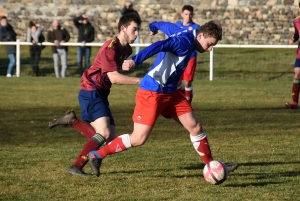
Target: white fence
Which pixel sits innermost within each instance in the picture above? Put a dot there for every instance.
(211, 58)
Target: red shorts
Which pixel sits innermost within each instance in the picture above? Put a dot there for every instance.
(189, 72)
(149, 105)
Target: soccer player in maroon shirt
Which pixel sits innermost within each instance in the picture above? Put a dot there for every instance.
(94, 90)
(296, 83)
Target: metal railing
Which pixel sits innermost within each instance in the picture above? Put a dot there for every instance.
(211, 57)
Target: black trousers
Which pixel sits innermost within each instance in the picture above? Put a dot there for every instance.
(35, 55)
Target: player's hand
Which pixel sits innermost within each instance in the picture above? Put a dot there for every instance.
(291, 41)
(128, 64)
(152, 33)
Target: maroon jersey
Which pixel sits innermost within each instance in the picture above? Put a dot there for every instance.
(109, 58)
(297, 29)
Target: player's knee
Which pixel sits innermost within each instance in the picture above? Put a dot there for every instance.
(137, 140)
(196, 129)
(297, 75)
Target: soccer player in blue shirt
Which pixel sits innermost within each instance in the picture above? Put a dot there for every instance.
(187, 13)
(158, 94)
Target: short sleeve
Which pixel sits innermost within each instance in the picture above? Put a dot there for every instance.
(108, 60)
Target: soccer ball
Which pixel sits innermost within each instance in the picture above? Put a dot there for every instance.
(215, 172)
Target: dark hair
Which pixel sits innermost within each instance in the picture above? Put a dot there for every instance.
(211, 29)
(187, 7)
(126, 19)
(3, 17)
(31, 24)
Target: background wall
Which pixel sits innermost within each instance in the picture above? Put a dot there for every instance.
(243, 21)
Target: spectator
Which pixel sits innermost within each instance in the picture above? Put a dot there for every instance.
(7, 33)
(35, 36)
(128, 8)
(57, 34)
(86, 34)
(187, 23)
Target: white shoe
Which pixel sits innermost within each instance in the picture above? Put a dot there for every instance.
(8, 75)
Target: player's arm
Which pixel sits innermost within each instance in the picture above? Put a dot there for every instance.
(109, 65)
(117, 78)
(296, 33)
(167, 28)
(171, 44)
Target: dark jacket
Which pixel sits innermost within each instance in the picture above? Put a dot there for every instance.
(7, 33)
(86, 32)
(59, 34)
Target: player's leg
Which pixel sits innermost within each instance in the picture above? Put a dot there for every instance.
(181, 112)
(101, 125)
(94, 106)
(197, 136)
(199, 139)
(123, 142)
(296, 87)
(188, 77)
(145, 114)
(70, 119)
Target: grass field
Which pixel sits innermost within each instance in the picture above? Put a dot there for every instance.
(244, 119)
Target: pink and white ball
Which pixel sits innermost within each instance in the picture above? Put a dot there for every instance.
(215, 172)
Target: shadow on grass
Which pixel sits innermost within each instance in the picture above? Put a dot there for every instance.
(256, 184)
(269, 163)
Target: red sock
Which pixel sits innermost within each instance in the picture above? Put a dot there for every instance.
(188, 93)
(92, 144)
(201, 145)
(295, 91)
(84, 128)
(119, 144)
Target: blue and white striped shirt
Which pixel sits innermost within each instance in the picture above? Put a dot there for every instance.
(171, 61)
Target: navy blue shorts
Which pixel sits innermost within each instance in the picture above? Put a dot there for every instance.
(94, 104)
(297, 63)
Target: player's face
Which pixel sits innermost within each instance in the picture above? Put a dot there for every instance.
(204, 44)
(131, 32)
(187, 16)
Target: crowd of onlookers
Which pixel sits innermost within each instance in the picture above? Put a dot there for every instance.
(56, 34)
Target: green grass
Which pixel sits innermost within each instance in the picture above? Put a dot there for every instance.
(244, 119)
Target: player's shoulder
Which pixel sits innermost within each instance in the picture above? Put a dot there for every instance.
(195, 25)
(112, 43)
(179, 23)
(297, 19)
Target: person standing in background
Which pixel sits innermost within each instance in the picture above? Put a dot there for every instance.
(7, 33)
(35, 36)
(58, 34)
(187, 13)
(86, 34)
(128, 8)
(296, 82)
